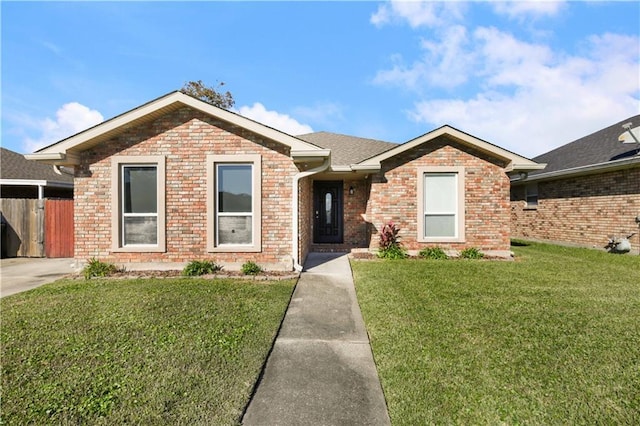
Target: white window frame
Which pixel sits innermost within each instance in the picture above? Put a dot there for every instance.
(213, 161)
(118, 164)
(459, 236)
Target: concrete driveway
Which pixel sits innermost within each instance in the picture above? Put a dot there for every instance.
(21, 273)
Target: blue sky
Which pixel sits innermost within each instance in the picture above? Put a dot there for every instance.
(528, 76)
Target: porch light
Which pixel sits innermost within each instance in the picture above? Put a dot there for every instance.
(351, 190)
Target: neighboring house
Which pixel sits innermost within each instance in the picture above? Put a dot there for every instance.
(36, 203)
(22, 178)
(178, 179)
(589, 191)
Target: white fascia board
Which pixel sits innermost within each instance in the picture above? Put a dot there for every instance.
(341, 169)
(33, 182)
(584, 170)
(310, 155)
(513, 167)
(56, 158)
(355, 168)
(122, 121)
(368, 168)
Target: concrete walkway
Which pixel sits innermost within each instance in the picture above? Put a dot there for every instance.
(23, 273)
(321, 370)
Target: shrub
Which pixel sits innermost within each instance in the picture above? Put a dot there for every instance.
(97, 268)
(390, 245)
(200, 267)
(251, 268)
(471, 253)
(433, 253)
(392, 252)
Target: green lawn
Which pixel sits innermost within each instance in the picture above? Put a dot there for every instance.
(552, 338)
(148, 351)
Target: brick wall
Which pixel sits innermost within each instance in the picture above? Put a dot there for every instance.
(583, 210)
(184, 137)
(305, 206)
(393, 196)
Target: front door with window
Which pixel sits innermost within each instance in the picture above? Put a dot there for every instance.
(327, 212)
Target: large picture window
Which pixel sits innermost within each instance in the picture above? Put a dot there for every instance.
(139, 205)
(440, 204)
(234, 203)
(234, 207)
(138, 216)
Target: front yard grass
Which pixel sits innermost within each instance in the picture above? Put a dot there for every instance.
(552, 338)
(147, 351)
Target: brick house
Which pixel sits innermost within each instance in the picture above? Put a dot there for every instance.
(590, 190)
(178, 179)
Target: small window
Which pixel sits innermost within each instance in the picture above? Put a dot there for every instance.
(138, 204)
(233, 203)
(440, 204)
(531, 195)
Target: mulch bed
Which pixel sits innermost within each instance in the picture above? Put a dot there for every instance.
(262, 276)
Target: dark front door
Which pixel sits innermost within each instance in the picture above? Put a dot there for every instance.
(327, 212)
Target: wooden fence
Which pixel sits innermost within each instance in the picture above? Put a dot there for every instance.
(58, 228)
(37, 228)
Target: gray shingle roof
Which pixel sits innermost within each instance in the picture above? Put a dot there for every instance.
(346, 150)
(597, 148)
(15, 166)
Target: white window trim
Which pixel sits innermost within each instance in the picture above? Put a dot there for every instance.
(256, 161)
(460, 213)
(117, 163)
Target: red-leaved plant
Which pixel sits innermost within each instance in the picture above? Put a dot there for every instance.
(390, 246)
(389, 235)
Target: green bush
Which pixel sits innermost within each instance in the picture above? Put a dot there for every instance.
(200, 267)
(97, 268)
(392, 252)
(433, 253)
(471, 253)
(251, 268)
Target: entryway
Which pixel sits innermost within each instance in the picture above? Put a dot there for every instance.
(328, 212)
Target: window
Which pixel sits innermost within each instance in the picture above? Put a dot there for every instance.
(441, 204)
(234, 200)
(138, 204)
(531, 195)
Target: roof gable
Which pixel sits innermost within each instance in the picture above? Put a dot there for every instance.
(67, 150)
(514, 161)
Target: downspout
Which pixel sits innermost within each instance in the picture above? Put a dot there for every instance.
(295, 206)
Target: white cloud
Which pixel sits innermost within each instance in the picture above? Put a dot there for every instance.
(533, 99)
(70, 119)
(282, 122)
(442, 63)
(522, 95)
(418, 13)
(521, 9)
